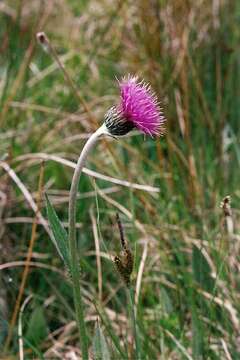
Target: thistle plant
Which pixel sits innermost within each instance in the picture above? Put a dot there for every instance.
(137, 108)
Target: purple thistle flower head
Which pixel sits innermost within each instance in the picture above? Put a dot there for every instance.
(138, 108)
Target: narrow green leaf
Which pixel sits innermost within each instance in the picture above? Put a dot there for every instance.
(108, 326)
(100, 348)
(202, 270)
(33, 348)
(59, 233)
(166, 301)
(197, 336)
(37, 327)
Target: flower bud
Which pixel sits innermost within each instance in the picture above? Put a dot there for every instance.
(115, 122)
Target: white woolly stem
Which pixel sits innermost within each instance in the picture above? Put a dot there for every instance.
(74, 258)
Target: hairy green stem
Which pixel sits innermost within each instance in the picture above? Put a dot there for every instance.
(74, 258)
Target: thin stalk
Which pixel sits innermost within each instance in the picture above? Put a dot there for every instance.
(131, 305)
(45, 42)
(74, 258)
(27, 264)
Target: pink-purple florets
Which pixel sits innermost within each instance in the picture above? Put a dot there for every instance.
(140, 106)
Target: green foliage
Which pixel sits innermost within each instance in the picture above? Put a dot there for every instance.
(202, 270)
(166, 301)
(59, 233)
(197, 335)
(100, 348)
(37, 327)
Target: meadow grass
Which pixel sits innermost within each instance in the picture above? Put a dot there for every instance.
(186, 256)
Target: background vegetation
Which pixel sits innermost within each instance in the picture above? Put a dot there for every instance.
(186, 250)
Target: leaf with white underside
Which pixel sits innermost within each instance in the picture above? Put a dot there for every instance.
(100, 348)
(59, 233)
